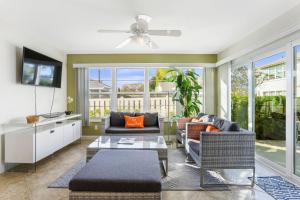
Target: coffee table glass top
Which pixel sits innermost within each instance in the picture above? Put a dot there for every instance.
(139, 142)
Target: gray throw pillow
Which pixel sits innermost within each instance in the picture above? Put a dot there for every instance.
(117, 118)
(150, 119)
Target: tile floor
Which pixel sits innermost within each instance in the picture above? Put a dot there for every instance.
(33, 186)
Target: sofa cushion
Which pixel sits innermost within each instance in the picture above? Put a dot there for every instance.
(194, 130)
(181, 122)
(119, 171)
(200, 115)
(150, 119)
(225, 125)
(207, 118)
(123, 130)
(212, 128)
(117, 118)
(194, 146)
(196, 120)
(180, 135)
(134, 122)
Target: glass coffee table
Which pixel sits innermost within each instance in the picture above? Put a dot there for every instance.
(156, 143)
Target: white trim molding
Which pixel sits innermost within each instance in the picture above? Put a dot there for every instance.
(143, 65)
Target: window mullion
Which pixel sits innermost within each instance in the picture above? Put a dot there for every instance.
(146, 91)
(113, 99)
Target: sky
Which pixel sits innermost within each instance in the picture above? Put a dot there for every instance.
(270, 59)
(125, 74)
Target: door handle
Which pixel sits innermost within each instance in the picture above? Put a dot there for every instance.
(52, 131)
(73, 124)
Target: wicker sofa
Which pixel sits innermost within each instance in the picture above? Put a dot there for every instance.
(193, 128)
(231, 148)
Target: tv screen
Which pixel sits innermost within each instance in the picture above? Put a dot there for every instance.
(40, 70)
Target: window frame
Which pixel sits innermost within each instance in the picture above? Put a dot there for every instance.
(146, 93)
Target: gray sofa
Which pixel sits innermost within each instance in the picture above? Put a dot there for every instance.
(115, 124)
(232, 148)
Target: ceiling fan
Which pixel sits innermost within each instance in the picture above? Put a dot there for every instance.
(141, 33)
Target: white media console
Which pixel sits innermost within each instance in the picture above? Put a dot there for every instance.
(28, 144)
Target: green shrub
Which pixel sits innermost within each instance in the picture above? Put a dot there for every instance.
(269, 115)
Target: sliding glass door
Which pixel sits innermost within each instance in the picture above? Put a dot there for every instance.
(297, 109)
(270, 108)
(239, 95)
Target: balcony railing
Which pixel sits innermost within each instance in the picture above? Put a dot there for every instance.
(163, 105)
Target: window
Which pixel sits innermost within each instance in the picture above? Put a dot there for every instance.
(270, 108)
(100, 88)
(199, 72)
(161, 92)
(239, 95)
(133, 90)
(130, 89)
(280, 72)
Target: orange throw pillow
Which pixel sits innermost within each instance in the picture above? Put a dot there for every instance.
(134, 122)
(212, 128)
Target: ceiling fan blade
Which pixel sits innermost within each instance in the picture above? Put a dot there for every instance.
(173, 33)
(124, 43)
(112, 31)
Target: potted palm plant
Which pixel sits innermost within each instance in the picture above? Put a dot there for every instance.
(187, 90)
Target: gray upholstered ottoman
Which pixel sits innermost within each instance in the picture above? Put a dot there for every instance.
(118, 174)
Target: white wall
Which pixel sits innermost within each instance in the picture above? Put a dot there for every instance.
(210, 91)
(16, 100)
(280, 27)
(223, 88)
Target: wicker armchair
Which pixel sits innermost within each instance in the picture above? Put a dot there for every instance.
(223, 150)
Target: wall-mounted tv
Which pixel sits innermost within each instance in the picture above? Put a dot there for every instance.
(40, 70)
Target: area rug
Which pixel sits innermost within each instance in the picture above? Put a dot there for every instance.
(278, 188)
(181, 176)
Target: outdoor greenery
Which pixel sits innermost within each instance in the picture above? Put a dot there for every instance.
(187, 90)
(239, 96)
(269, 110)
(160, 76)
(269, 115)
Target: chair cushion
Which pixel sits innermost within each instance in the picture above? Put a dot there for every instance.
(123, 130)
(134, 122)
(225, 125)
(150, 119)
(194, 146)
(117, 118)
(119, 171)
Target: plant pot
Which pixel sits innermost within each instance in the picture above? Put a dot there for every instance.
(68, 112)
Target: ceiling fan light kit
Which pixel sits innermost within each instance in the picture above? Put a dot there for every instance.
(141, 33)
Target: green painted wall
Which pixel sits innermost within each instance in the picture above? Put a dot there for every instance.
(124, 58)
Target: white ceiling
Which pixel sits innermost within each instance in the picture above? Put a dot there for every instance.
(208, 26)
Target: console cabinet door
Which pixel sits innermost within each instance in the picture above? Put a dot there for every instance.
(69, 133)
(43, 144)
(57, 138)
(77, 130)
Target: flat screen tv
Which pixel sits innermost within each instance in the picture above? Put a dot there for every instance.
(40, 70)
